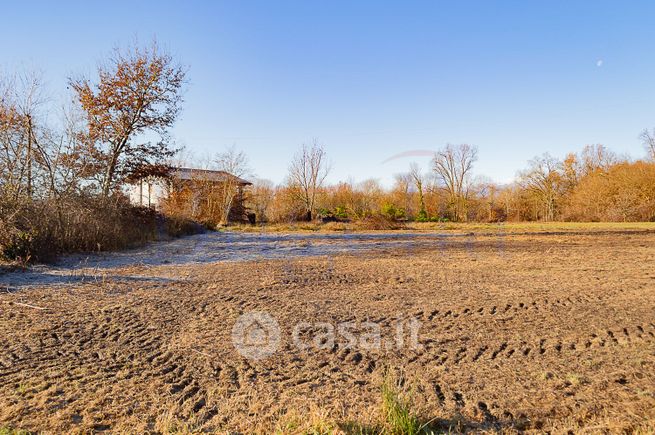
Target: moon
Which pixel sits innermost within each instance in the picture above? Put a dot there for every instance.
(599, 63)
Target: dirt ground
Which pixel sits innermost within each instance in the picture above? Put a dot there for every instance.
(540, 332)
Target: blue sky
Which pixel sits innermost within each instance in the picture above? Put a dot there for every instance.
(371, 79)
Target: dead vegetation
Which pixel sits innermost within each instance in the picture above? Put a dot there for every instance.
(39, 231)
(60, 184)
(534, 332)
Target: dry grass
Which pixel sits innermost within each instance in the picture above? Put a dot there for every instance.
(504, 227)
(554, 332)
(40, 230)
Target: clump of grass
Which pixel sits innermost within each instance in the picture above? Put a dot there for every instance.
(178, 226)
(399, 418)
(317, 423)
(11, 431)
(378, 222)
(170, 424)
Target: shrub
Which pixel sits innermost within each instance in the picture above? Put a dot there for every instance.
(392, 212)
(40, 230)
(378, 222)
(177, 226)
(19, 245)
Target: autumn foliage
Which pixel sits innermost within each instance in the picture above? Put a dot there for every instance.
(60, 185)
(593, 185)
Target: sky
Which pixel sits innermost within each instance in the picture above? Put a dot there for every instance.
(371, 79)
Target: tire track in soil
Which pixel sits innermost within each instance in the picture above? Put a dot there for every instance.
(507, 349)
(93, 350)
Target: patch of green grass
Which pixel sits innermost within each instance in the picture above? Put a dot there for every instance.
(400, 417)
(9, 431)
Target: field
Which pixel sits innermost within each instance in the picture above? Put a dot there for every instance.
(485, 330)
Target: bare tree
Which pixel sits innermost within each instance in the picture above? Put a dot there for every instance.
(401, 191)
(453, 166)
(648, 139)
(235, 165)
(139, 91)
(307, 173)
(543, 180)
(418, 179)
(21, 154)
(263, 195)
(596, 158)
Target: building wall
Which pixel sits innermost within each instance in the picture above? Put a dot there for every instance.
(185, 197)
(148, 193)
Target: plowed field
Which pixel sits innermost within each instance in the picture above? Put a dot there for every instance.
(520, 332)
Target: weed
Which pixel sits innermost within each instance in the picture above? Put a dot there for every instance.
(11, 431)
(316, 423)
(396, 409)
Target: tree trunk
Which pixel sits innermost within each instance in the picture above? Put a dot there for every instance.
(29, 156)
(109, 177)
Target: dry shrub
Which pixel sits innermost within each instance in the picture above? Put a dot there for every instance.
(378, 222)
(40, 230)
(178, 226)
(285, 207)
(625, 192)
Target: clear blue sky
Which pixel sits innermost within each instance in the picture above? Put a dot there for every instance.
(371, 79)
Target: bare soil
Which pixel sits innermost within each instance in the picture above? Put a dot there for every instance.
(520, 332)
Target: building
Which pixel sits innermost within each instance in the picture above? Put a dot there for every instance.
(200, 193)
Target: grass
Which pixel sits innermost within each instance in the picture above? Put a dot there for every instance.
(317, 423)
(169, 424)
(396, 409)
(399, 413)
(9, 431)
(455, 227)
(397, 416)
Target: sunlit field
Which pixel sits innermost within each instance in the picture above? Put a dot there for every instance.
(540, 327)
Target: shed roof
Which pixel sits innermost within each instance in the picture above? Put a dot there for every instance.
(207, 174)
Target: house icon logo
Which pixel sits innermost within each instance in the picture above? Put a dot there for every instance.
(256, 335)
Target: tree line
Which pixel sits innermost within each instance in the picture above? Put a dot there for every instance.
(594, 184)
(62, 171)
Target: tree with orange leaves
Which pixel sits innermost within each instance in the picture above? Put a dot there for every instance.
(139, 92)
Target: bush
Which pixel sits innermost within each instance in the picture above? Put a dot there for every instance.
(40, 230)
(378, 222)
(19, 245)
(392, 212)
(177, 226)
(432, 219)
